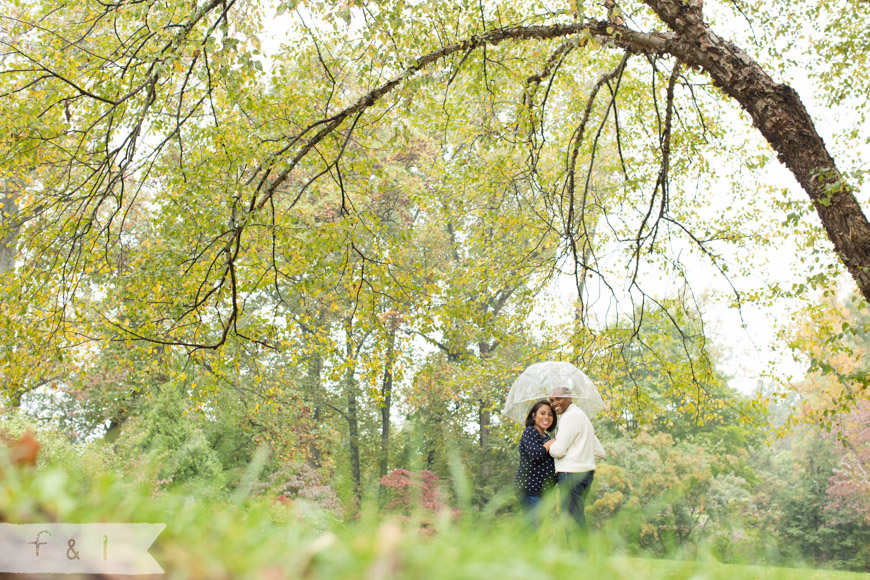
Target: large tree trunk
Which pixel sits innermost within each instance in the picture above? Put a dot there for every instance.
(484, 420)
(350, 388)
(8, 225)
(386, 403)
(312, 396)
(353, 437)
(484, 416)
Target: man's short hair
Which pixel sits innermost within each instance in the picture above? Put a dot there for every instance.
(561, 392)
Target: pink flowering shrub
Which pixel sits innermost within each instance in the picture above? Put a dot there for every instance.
(298, 481)
(848, 493)
(410, 492)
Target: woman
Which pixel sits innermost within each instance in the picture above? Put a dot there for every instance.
(537, 472)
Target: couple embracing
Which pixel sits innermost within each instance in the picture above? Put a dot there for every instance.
(567, 460)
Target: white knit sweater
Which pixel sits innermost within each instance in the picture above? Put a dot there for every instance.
(576, 447)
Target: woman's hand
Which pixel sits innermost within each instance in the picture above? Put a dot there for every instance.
(547, 444)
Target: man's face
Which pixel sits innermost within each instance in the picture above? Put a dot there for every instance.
(560, 404)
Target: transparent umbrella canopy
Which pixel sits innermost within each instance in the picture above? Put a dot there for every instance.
(545, 379)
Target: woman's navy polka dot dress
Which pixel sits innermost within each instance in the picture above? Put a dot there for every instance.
(537, 472)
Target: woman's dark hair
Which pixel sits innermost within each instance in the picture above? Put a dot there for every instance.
(530, 418)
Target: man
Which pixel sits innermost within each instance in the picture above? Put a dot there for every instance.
(574, 450)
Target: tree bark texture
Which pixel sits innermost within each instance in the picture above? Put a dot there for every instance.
(8, 227)
(484, 415)
(386, 405)
(353, 437)
(352, 415)
(312, 390)
(387, 394)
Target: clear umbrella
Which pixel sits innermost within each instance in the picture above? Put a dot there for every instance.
(545, 379)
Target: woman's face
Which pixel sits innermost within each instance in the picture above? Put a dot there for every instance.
(544, 417)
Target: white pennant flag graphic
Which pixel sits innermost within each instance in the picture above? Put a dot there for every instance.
(78, 548)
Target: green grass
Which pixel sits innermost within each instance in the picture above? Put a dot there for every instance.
(213, 535)
(626, 567)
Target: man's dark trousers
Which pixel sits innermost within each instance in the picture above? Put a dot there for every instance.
(573, 488)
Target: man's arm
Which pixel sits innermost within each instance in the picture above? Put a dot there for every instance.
(598, 450)
(568, 430)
